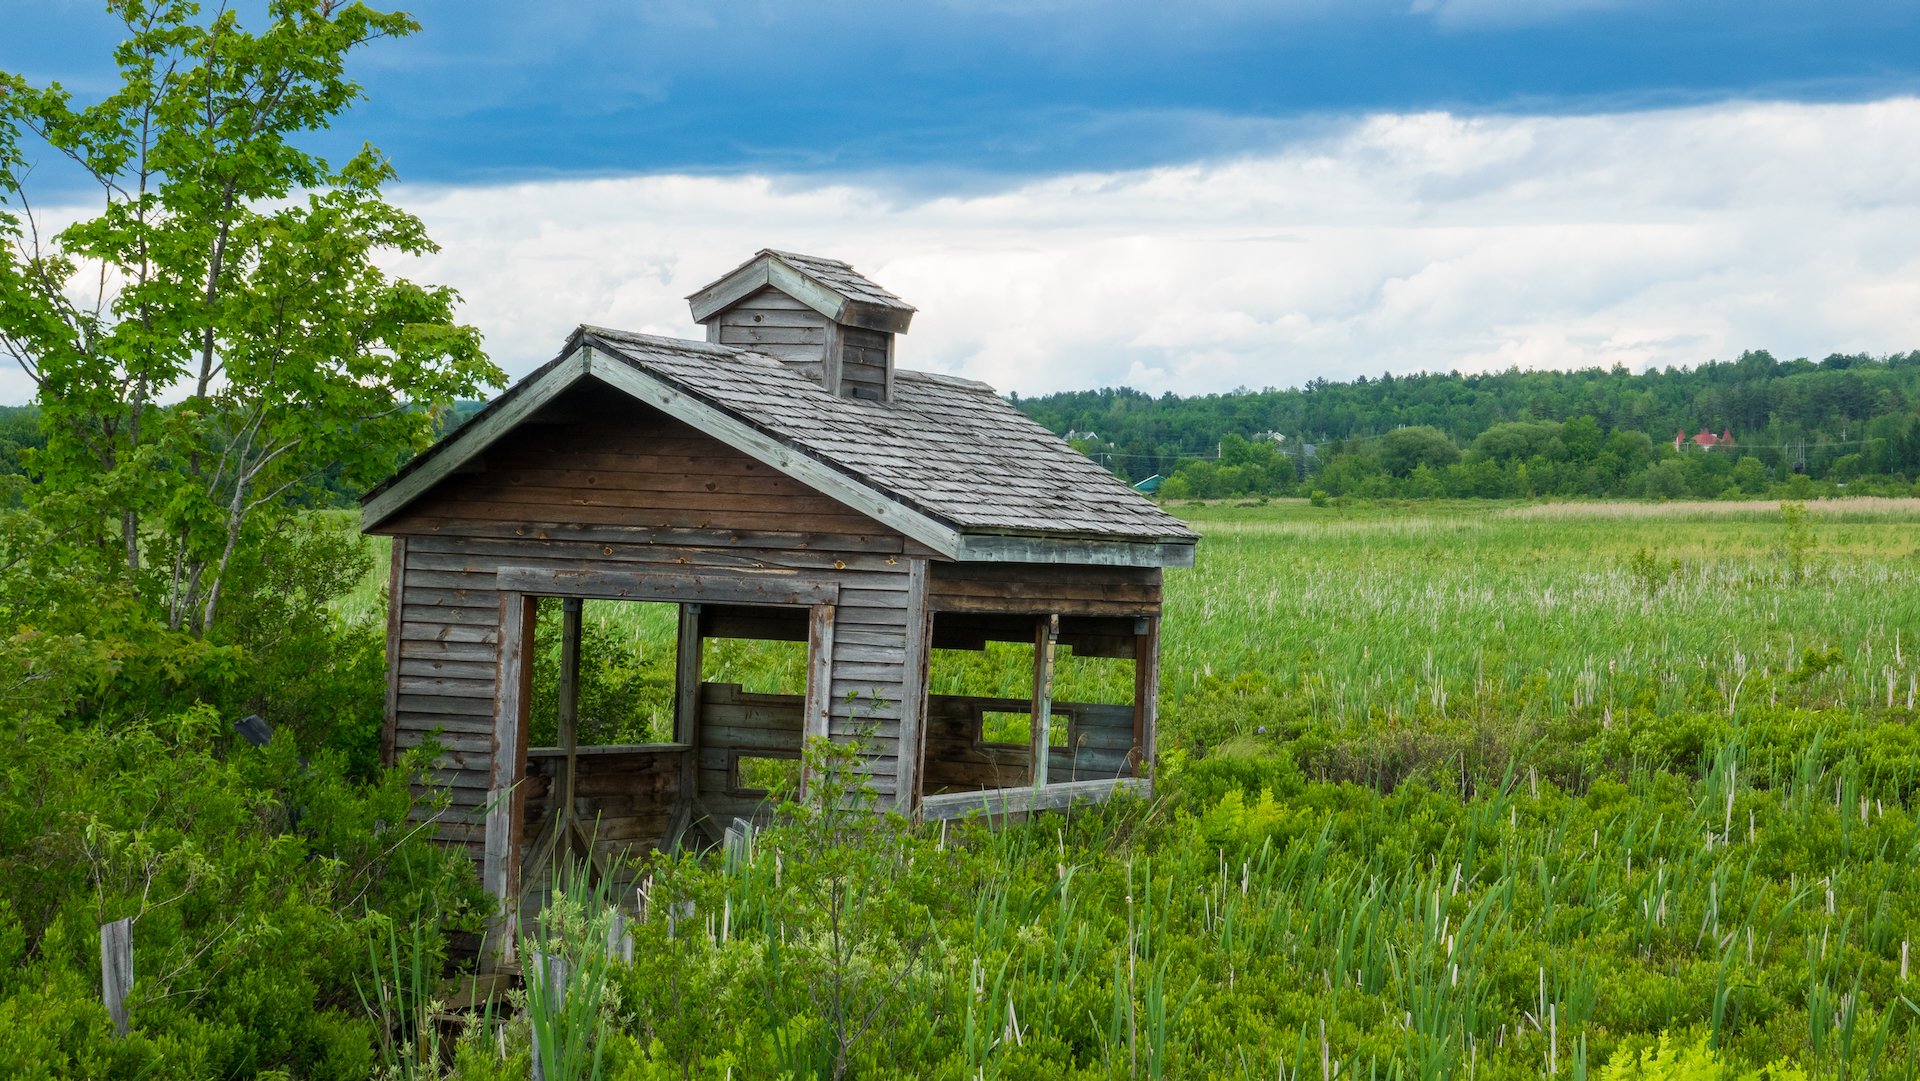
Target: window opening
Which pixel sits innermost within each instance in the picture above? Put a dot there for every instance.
(626, 673)
(1014, 731)
(766, 773)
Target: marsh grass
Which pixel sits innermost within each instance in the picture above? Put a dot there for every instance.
(1466, 792)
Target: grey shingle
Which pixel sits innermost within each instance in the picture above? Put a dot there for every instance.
(948, 447)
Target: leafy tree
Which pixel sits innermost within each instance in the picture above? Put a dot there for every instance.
(1404, 449)
(228, 268)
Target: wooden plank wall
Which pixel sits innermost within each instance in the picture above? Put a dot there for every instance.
(735, 722)
(1099, 739)
(864, 361)
(1046, 588)
(599, 482)
(622, 800)
(774, 323)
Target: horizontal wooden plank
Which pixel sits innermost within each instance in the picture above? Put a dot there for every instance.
(413, 687)
(763, 334)
(451, 552)
(760, 315)
(725, 737)
(1052, 797)
(447, 508)
(770, 540)
(1061, 606)
(892, 655)
(477, 593)
(469, 617)
(429, 649)
(564, 482)
(445, 705)
(408, 720)
(481, 670)
(728, 586)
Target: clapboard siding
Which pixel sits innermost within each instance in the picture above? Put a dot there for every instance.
(735, 722)
(1037, 588)
(773, 323)
(865, 359)
(622, 800)
(607, 484)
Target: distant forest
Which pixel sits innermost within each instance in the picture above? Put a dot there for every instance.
(1798, 427)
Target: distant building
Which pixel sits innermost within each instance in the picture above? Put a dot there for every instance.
(1151, 484)
(1704, 439)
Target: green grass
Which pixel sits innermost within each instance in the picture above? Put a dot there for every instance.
(1478, 791)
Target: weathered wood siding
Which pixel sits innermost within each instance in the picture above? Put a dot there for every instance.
(774, 323)
(1045, 587)
(866, 359)
(1099, 739)
(734, 723)
(603, 483)
(622, 800)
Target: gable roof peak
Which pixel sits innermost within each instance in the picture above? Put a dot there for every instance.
(831, 287)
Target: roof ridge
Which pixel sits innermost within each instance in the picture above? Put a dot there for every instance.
(829, 260)
(943, 379)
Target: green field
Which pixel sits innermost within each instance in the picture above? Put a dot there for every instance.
(1470, 790)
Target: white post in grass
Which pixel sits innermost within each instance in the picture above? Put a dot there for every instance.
(116, 970)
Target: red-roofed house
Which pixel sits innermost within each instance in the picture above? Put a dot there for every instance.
(1705, 439)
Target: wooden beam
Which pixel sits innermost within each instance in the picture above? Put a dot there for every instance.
(733, 585)
(730, 290)
(689, 649)
(475, 436)
(1045, 636)
(992, 548)
(568, 708)
(396, 594)
(795, 463)
(1013, 801)
(913, 710)
(799, 285)
(1146, 697)
(831, 359)
(816, 716)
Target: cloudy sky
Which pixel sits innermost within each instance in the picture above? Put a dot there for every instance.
(1185, 196)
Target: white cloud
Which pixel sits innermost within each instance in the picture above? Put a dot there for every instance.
(1402, 242)
(1399, 242)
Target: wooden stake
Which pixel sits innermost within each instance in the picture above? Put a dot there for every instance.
(116, 970)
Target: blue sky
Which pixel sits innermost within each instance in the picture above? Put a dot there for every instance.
(1184, 196)
(944, 92)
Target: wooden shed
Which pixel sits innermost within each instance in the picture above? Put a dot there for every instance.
(782, 480)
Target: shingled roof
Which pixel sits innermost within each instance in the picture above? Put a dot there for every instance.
(829, 286)
(947, 460)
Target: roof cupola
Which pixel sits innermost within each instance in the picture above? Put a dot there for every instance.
(819, 315)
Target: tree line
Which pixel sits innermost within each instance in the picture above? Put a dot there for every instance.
(1799, 425)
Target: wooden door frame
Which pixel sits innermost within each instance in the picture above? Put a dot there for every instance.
(520, 588)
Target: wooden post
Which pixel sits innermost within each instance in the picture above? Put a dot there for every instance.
(1046, 635)
(688, 651)
(1146, 695)
(620, 938)
(500, 864)
(396, 604)
(913, 707)
(116, 970)
(568, 712)
(816, 721)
